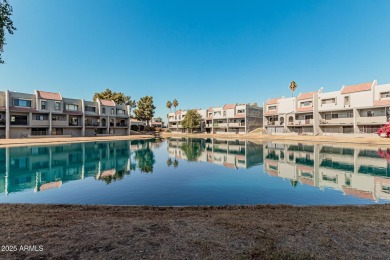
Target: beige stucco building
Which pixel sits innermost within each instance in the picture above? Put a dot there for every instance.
(47, 113)
(354, 109)
(231, 118)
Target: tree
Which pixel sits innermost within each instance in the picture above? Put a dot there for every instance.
(193, 149)
(169, 162)
(169, 105)
(145, 109)
(118, 97)
(175, 103)
(293, 87)
(6, 24)
(145, 157)
(192, 120)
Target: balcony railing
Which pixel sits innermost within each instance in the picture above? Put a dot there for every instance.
(372, 120)
(19, 122)
(91, 124)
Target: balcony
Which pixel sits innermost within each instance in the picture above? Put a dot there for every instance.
(372, 120)
(73, 124)
(220, 124)
(91, 124)
(302, 122)
(19, 121)
(241, 124)
(337, 121)
(121, 124)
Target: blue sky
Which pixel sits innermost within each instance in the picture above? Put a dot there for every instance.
(204, 53)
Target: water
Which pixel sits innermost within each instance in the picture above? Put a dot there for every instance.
(179, 172)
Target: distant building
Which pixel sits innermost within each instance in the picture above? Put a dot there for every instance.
(360, 108)
(233, 118)
(47, 113)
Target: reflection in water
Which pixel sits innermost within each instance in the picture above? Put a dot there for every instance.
(361, 173)
(358, 172)
(229, 153)
(43, 168)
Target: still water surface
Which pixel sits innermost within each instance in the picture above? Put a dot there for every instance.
(183, 171)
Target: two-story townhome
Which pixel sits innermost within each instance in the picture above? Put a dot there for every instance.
(48, 113)
(355, 109)
(175, 118)
(293, 114)
(231, 118)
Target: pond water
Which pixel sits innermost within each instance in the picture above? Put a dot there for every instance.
(179, 172)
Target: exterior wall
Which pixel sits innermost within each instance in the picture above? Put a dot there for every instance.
(20, 132)
(74, 132)
(2, 99)
(286, 105)
(16, 95)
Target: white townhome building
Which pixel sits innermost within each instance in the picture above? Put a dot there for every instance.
(354, 109)
(231, 118)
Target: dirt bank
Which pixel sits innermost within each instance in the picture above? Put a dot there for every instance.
(368, 140)
(261, 232)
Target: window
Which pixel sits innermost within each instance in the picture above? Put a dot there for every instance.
(346, 101)
(210, 114)
(41, 117)
(271, 108)
(370, 113)
(103, 110)
(57, 106)
(120, 112)
(22, 103)
(243, 111)
(90, 109)
(224, 113)
(112, 111)
(306, 103)
(73, 121)
(335, 116)
(43, 104)
(350, 114)
(71, 107)
(328, 101)
(385, 94)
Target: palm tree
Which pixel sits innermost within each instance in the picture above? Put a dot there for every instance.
(175, 163)
(169, 105)
(175, 103)
(169, 162)
(293, 87)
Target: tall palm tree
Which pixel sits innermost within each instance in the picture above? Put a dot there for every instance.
(293, 87)
(132, 104)
(175, 103)
(169, 106)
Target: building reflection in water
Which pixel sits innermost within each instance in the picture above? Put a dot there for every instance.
(43, 168)
(228, 153)
(362, 173)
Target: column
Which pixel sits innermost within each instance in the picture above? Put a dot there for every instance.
(108, 125)
(355, 116)
(50, 123)
(83, 118)
(316, 116)
(7, 115)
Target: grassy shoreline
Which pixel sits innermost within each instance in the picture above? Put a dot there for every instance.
(239, 232)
